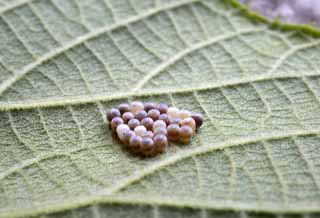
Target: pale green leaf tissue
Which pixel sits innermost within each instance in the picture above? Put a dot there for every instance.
(63, 63)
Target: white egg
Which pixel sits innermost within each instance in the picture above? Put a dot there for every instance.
(182, 114)
(159, 123)
(136, 106)
(140, 131)
(121, 129)
(173, 112)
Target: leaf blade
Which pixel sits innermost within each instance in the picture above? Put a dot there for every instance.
(256, 152)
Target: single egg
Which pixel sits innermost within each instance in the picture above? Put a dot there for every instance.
(115, 122)
(173, 112)
(150, 105)
(163, 108)
(161, 130)
(148, 134)
(113, 113)
(154, 114)
(160, 142)
(133, 123)
(182, 114)
(124, 107)
(175, 120)
(159, 123)
(135, 143)
(127, 135)
(185, 134)
(127, 116)
(141, 115)
(165, 118)
(147, 147)
(140, 130)
(198, 118)
(136, 106)
(173, 132)
(121, 131)
(147, 122)
(189, 122)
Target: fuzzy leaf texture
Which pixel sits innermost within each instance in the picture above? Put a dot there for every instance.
(64, 63)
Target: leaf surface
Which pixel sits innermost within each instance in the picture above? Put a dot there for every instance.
(64, 63)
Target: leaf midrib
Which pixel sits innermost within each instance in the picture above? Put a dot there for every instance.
(95, 98)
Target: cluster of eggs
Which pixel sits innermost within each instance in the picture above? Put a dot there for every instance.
(145, 128)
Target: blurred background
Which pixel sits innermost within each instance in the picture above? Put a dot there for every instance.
(288, 11)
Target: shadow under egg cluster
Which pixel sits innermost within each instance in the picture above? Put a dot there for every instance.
(146, 128)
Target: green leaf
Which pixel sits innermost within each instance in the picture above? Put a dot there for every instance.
(64, 63)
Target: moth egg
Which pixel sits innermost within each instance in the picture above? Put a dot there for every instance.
(127, 135)
(147, 122)
(148, 134)
(115, 122)
(182, 114)
(141, 115)
(146, 128)
(147, 147)
(154, 114)
(113, 113)
(159, 123)
(124, 107)
(161, 130)
(173, 132)
(121, 131)
(133, 123)
(136, 106)
(127, 116)
(160, 142)
(140, 130)
(163, 108)
(149, 105)
(175, 120)
(185, 134)
(173, 112)
(135, 143)
(198, 118)
(189, 122)
(165, 118)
